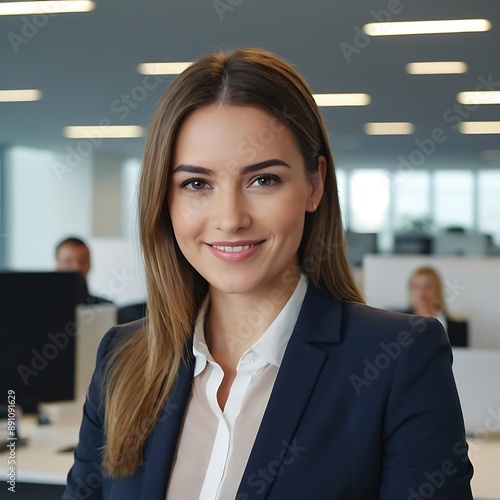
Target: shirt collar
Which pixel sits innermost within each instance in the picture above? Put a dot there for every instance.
(272, 344)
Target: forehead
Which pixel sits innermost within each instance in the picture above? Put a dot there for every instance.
(70, 250)
(221, 134)
(423, 279)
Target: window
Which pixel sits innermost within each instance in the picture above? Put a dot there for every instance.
(489, 202)
(411, 201)
(454, 199)
(369, 200)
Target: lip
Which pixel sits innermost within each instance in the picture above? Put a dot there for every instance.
(235, 256)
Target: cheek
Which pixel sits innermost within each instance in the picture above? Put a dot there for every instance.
(187, 214)
(289, 221)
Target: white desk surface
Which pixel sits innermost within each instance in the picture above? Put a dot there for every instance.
(41, 461)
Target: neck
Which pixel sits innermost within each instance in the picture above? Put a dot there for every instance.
(236, 321)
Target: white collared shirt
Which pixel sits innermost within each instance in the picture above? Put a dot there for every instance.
(214, 445)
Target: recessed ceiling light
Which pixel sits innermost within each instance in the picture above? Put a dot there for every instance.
(479, 127)
(45, 7)
(351, 99)
(20, 95)
(427, 27)
(105, 132)
(436, 68)
(389, 128)
(163, 68)
(479, 97)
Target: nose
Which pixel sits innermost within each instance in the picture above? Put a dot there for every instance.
(230, 211)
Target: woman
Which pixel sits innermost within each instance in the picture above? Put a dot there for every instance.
(258, 372)
(427, 299)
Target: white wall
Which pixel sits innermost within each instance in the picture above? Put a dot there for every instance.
(53, 195)
(472, 289)
(43, 205)
(117, 271)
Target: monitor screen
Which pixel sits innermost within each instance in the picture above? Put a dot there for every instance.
(37, 316)
(359, 245)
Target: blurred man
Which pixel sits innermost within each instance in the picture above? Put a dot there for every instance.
(72, 254)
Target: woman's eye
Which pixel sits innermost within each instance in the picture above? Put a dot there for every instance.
(194, 185)
(266, 180)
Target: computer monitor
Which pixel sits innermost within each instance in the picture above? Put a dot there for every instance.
(412, 244)
(359, 245)
(37, 317)
(456, 244)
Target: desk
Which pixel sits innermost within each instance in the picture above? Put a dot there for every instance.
(485, 456)
(41, 461)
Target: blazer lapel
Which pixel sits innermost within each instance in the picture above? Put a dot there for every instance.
(319, 321)
(162, 443)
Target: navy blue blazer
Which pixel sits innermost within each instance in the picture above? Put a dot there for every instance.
(364, 407)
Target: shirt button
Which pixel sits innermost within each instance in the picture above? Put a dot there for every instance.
(252, 360)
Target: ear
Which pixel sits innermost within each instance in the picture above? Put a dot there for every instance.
(317, 181)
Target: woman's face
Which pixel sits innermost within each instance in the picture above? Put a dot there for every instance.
(423, 292)
(238, 196)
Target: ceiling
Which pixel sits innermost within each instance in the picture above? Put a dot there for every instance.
(85, 62)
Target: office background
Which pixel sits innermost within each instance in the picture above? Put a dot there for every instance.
(412, 179)
(86, 67)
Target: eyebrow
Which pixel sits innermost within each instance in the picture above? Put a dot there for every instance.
(193, 169)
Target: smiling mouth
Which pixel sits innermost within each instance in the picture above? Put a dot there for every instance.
(233, 249)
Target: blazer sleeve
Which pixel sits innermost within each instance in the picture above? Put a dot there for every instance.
(85, 478)
(425, 452)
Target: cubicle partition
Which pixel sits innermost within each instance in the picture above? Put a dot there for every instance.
(472, 289)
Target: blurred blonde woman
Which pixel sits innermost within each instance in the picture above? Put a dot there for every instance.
(258, 371)
(427, 298)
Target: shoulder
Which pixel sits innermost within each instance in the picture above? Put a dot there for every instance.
(115, 336)
(365, 328)
(361, 317)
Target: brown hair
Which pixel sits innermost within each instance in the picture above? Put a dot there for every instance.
(439, 302)
(77, 242)
(142, 371)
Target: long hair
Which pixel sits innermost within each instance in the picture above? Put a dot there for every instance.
(141, 373)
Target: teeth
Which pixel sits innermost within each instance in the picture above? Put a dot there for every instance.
(233, 249)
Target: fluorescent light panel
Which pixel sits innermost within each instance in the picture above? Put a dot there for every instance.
(389, 128)
(20, 95)
(351, 99)
(106, 132)
(479, 127)
(427, 27)
(45, 7)
(163, 68)
(436, 68)
(479, 97)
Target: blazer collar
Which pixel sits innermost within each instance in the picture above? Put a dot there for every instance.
(319, 321)
(320, 317)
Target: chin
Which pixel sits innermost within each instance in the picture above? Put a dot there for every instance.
(234, 283)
